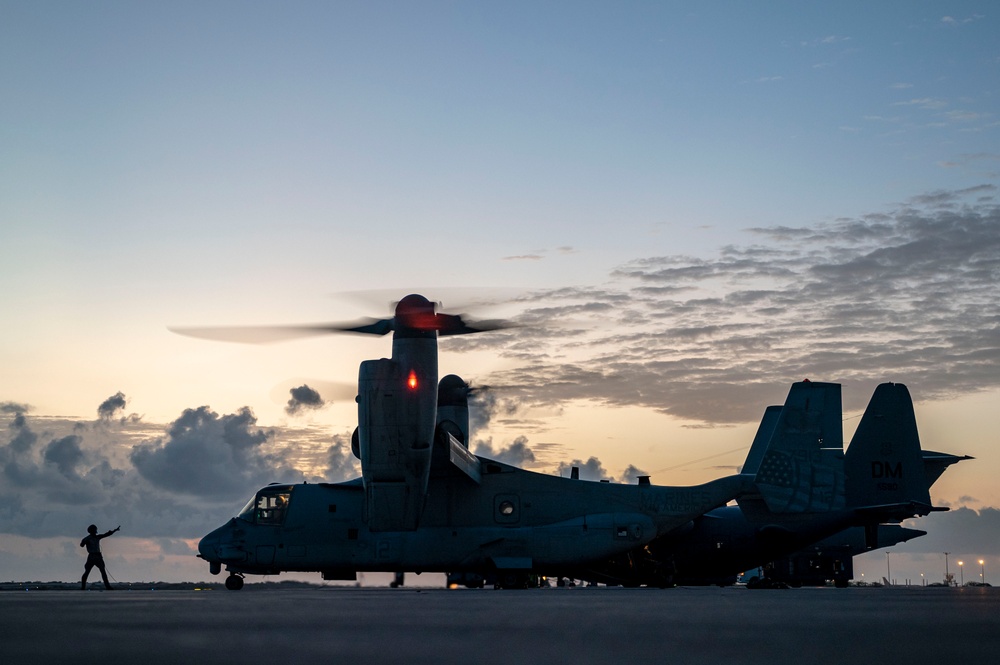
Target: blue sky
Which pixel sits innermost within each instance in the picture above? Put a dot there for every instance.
(644, 171)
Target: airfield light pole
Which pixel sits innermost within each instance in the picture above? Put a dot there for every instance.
(947, 576)
(982, 571)
(961, 573)
(888, 573)
(923, 582)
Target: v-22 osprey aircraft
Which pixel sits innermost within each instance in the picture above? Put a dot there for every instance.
(424, 502)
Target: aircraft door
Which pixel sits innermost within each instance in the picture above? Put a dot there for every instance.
(265, 555)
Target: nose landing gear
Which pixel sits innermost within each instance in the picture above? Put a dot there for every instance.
(234, 582)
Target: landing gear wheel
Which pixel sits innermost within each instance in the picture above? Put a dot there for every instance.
(234, 582)
(511, 580)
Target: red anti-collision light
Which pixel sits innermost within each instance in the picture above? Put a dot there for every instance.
(412, 381)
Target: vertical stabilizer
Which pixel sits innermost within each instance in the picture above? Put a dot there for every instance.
(760, 440)
(802, 468)
(884, 463)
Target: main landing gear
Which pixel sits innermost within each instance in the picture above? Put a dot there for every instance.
(234, 582)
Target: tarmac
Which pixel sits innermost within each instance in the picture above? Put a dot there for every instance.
(577, 625)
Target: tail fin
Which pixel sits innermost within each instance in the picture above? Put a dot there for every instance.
(884, 463)
(802, 468)
(761, 439)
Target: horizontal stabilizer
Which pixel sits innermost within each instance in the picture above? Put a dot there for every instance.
(937, 463)
(895, 512)
(887, 535)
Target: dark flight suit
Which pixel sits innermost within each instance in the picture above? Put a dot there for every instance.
(94, 558)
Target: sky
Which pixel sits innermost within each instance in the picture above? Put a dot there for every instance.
(685, 206)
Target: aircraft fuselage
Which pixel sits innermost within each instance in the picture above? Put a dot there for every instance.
(514, 519)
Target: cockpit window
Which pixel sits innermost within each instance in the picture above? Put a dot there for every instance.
(268, 506)
(247, 512)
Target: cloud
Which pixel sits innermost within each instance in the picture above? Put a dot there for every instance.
(631, 475)
(485, 404)
(303, 398)
(111, 406)
(177, 481)
(205, 454)
(952, 22)
(65, 454)
(40, 479)
(906, 295)
(516, 454)
(539, 255)
(24, 438)
(928, 103)
(960, 530)
(972, 159)
(592, 469)
(341, 464)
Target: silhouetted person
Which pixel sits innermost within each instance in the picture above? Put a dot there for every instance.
(94, 557)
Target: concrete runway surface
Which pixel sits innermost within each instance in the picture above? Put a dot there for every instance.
(557, 625)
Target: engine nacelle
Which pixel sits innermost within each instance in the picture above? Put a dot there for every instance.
(453, 408)
(396, 419)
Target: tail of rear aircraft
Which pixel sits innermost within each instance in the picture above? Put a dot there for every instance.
(937, 463)
(884, 463)
(761, 439)
(802, 469)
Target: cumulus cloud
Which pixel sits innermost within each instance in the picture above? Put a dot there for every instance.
(485, 405)
(205, 454)
(341, 464)
(178, 481)
(631, 475)
(111, 406)
(303, 398)
(23, 437)
(41, 479)
(593, 469)
(516, 454)
(65, 454)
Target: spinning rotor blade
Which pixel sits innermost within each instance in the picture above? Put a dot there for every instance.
(453, 324)
(268, 334)
(414, 312)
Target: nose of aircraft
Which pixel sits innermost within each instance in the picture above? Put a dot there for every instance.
(208, 546)
(224, 545)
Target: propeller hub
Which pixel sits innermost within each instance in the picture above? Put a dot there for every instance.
(417, 313)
